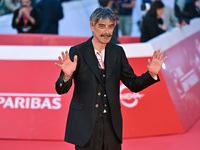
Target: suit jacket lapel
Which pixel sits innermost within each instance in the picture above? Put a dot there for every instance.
(91, 59)
(110, 58)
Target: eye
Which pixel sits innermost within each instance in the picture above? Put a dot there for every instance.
(111, 26)
(101, 25)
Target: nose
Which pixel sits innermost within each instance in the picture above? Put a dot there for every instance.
(107, 30)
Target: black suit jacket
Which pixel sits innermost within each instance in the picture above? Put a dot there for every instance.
(83, 111)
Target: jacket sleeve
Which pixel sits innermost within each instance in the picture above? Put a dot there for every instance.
(131, 80)
(61, 86)
(14, 25)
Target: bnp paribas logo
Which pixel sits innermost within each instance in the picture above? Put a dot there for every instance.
(30, 101)
(129, 99)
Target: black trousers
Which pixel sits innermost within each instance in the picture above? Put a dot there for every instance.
(103, 136)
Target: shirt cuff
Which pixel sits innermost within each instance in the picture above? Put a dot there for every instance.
(65, 80)
(155, 77)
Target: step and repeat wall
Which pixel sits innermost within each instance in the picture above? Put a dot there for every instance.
(31, 109)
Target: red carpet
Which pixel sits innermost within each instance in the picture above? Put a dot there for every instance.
(187, 141)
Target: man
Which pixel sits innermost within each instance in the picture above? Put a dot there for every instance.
(50, 13)
(125, 16)
(94, 119)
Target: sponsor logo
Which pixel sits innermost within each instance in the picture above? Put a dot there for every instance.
(184, 81)
(30, 101)
(130, 99)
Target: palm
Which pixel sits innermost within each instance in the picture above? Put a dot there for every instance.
(67, 66)
(155, 65)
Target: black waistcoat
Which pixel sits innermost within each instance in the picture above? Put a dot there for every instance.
(103, 104)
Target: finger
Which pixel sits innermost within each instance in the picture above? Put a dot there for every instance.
(60, 59)
(148, 62)
(158, 54)
(67, 54)
(164, 60)
(161, 55)
(58, 65)
(75, 59)
(63, 56)
(154, 54)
